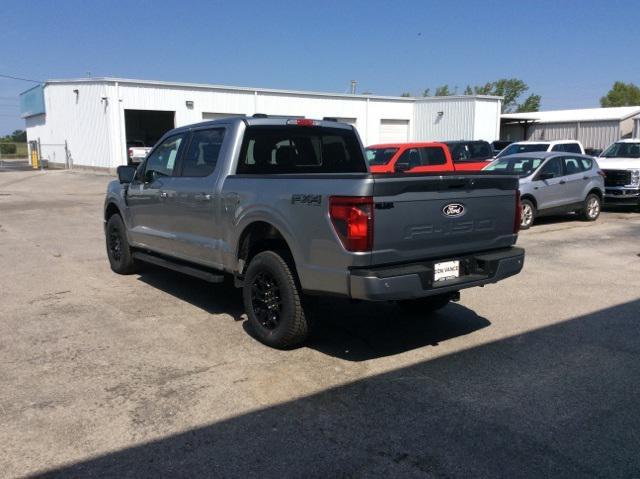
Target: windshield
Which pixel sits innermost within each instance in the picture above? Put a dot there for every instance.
(623, 150)
(515, 166)
(380, 156)
(514, 148)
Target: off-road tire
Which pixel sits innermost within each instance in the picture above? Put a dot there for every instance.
(270, 281)
(118, 250)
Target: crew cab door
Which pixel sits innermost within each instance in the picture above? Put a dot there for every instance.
(147, 196)
(191, 203)
(549, 184)
(424, 159)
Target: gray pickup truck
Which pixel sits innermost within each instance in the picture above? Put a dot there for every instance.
(289, 209)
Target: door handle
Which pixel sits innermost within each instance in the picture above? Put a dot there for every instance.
(203, 197)
(585, 177)
(164, 194)
(562, 182)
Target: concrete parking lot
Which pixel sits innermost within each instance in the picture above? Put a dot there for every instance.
(154, 375)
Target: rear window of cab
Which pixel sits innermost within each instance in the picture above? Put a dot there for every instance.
(300, 149)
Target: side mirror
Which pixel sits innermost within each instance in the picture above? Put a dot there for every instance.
(402, 167)
(126, 173)
(545, 176)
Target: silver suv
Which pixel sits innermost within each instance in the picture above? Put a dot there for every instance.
(554, 183)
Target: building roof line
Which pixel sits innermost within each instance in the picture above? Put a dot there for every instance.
(207, 86)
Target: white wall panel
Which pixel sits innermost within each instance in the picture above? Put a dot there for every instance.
(95, 130)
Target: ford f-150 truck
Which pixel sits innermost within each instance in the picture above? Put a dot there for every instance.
(289, 209)
(621, 165)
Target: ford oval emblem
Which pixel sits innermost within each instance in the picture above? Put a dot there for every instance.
(453, 210)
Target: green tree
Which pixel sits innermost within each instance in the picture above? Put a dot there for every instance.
(427, 92)
(532, 103)
(621, 94)
(485, 89)
(510, 89)
(443, 91)
(19, 136)
(405, 94)
(468, 90)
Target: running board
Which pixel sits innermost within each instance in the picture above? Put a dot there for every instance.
(179, 267)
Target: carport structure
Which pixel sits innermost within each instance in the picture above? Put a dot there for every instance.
(594, 127)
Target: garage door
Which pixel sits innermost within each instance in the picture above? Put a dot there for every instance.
(214, 116)
(394, 131)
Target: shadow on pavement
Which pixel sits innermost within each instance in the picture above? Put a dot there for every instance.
(562, 401)
(354, 331)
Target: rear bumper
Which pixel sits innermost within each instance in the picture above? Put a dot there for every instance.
(415, 280)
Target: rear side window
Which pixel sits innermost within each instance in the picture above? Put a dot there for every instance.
(380, 156)
(572, 166)
(432, 155)
(201, 157)
(572, 148)
(480, 150)
(300, 149)
(586, 163)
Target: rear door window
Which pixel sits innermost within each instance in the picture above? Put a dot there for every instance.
(572, 166)
(586, 163)
(432, 155)
(201, 156)
(300, 149)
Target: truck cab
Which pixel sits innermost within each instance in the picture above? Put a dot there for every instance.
(425, 157)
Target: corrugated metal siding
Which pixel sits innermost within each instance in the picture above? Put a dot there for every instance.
(455, 122)
(486, 122)
(592, 134)
(598, 134)
(83, 120)
(636, 128)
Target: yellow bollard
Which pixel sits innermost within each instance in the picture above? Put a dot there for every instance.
(35, 161)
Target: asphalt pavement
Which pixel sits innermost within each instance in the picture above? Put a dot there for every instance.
(154, 375)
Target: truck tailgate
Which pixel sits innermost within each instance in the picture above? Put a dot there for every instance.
(431, 217)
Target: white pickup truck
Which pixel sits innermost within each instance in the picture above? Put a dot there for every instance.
(136, 151)
(621, 165)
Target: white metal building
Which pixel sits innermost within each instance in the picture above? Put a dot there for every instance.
(89, 121)
(593, 127)
(636, 127)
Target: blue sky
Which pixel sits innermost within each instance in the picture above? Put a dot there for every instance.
(570, 52)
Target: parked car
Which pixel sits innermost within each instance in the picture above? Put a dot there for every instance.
(289, 208)
(499, 145)
(470, 155)
(595, 152)
(621, 165)
(136, 151)
(568, 146)
(409, 158)
(554, 183)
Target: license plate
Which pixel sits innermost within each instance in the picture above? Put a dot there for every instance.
(446, 270)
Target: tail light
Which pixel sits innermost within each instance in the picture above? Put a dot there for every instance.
(130, 152)
(517, 217)
(302, 122)
(352, 218)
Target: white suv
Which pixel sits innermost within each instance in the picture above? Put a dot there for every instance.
(621, 165)
(568, 146)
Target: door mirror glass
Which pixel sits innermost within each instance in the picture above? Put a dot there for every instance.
(126, 173)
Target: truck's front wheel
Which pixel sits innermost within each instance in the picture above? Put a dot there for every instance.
(273, 302)
(118, 250)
